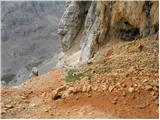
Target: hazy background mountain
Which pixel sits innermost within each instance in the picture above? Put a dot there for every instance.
(29, 37)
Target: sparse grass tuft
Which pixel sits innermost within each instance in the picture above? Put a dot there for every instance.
(87, 74)
(73, 75)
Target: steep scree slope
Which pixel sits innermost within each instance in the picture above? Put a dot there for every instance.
(124, 84)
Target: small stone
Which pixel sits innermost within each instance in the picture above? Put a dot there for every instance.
(56, 95)
(133, 97)
(131, 89)
(46, 110)
(71, 90)
(127, 75)
(84, 89)
(140, 73)
(89, 62)
(124, 93)
(140, 47)
(155, 97)
(34, 73)
(54, 107)
(142, 106)
(3, 112)
(152, 93)
(88, 88)
(89, 95)
(104, 88)
(124, 85)
(115, 99)
(26, 101)
(157, 102)
(33, 105)
(9, 106)
(135, 85)
(114, 102)
(65, 94)
(90, 113)
(149, 87)
(51, 114)
(58, 114)
(155, 89)
(118, 84)
(76, 97)
(157, 111)
(68, 112)
(43, 95)
(111, 88)
(23, 97)
(95, 88)
(145, 80)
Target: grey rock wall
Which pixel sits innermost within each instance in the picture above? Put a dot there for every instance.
(29, 35)
(103, 20)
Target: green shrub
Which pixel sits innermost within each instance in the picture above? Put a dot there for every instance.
(73, 75)
(87, 74)
(7, 78)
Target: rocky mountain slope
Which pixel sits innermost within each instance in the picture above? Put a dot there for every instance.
(29, 36)
(122, 84)
(108, 67)
(89, 25)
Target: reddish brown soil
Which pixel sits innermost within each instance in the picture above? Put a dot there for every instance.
(128, 68)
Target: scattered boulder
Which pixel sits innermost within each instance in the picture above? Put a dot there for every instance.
(9, 106)
(3, 111)
(148, 87)
(124, 85)
(72, 90)
(84, 89)
(140, 47)
(124, 93)
(89, 62)
(115, 99)
(56, 96)
(33, 105)
(76, 97)
(131, 89)
(89, 88)
(34, 72)
(111, 88)
(114, 102)
(104, 88)
(89, 95)
(65, 94)
(94, 88)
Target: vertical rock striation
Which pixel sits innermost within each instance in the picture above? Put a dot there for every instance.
(100, 21)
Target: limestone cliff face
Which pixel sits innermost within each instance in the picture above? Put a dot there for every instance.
(29, 37)
(98, 22)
